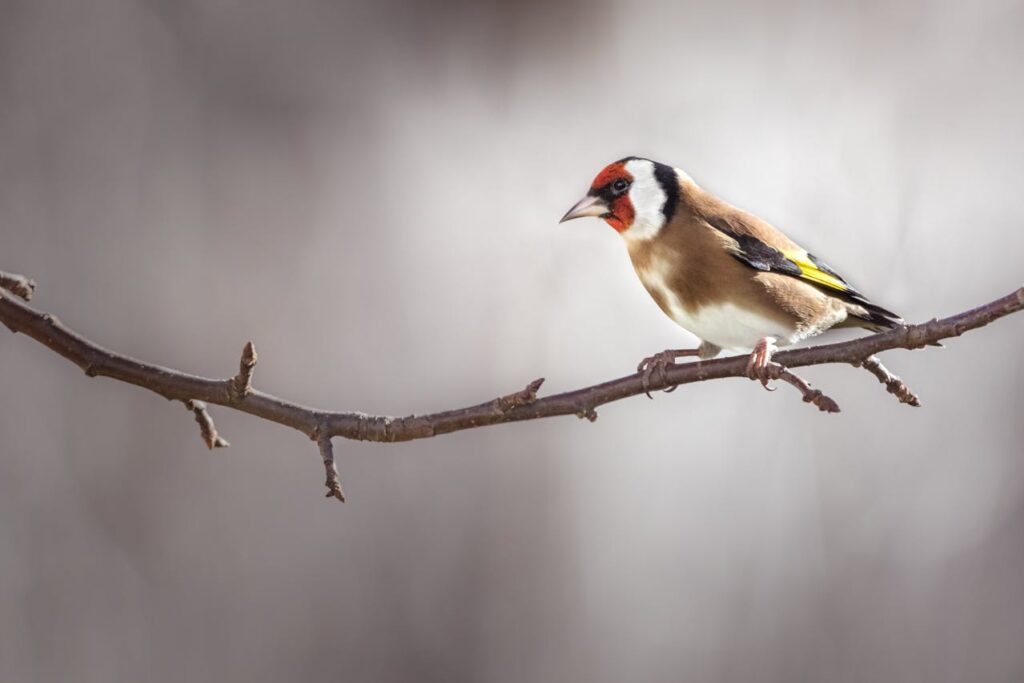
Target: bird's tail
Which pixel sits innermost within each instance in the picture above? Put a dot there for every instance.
(864, 313)
(871, 316)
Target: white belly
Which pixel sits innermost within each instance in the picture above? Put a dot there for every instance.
(731, 327)
(725, 325)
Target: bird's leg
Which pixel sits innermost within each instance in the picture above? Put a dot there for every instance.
(659, 363)
(759, 366)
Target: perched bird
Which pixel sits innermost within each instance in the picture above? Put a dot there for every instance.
(722, 274)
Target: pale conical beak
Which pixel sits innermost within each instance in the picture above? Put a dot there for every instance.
(588, 206)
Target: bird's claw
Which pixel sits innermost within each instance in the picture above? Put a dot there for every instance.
(654, 364)
(659, 363)
(760, 366)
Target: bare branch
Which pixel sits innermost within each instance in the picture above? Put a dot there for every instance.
(207, 429)
(237, 392)
(333, 478)
(893, 384)
(811, 395)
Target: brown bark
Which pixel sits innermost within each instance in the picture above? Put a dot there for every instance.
(322, 425)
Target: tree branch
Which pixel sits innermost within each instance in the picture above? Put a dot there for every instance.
(237, 392)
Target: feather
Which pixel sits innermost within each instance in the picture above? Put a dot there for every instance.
(801, 264)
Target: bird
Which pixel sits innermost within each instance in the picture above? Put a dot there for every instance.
(726, 276)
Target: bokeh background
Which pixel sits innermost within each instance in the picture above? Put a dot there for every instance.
(370, 191)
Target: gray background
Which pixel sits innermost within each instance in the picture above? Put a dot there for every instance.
(370, 192)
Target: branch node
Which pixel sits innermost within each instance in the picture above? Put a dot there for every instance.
(893, 384)
(523, 397)
(90, 366)
(240, 385)
(207, 429)
(18, 285)
(586, 412)
(333, 482)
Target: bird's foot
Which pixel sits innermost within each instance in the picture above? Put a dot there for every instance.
(760, 366)
(659, 363)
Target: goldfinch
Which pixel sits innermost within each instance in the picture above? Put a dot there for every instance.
(722, 274)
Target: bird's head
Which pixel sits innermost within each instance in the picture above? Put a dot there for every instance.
(633, 195)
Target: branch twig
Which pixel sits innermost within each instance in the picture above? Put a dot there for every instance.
(237, 392)
(333, 478)
(893, 384)
(810, 394)
(207, 429)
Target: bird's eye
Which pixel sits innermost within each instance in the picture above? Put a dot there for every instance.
(620, 185)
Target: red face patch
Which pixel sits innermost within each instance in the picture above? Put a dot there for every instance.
(621, 212)
(608, 175)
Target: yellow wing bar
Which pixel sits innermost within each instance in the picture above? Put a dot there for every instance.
(812, 272)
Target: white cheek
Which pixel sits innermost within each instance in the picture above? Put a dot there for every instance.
(648, 200)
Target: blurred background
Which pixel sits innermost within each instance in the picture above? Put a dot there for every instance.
(370, 191)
